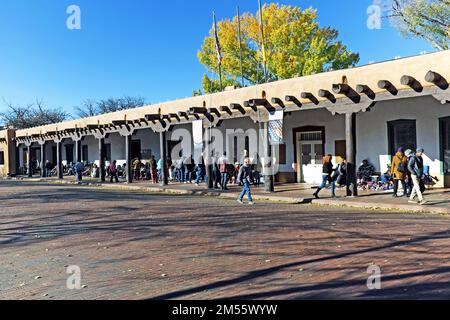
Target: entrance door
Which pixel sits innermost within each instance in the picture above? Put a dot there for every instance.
(136, 149)
(309, 157)
(69, 154)
(445, 148)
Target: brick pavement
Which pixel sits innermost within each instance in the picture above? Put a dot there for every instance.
(134, 245)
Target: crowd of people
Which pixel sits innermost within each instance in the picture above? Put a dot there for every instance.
(407, 169)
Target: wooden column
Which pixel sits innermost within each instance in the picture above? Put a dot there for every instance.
(163, 150)
(101, 154)
(128, 170)
(350, 134)
(59, 167)
(29, 163)
(42, 158)
(268, 170)
(78, 151)
(208, 160)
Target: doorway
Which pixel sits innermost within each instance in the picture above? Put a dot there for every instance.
(310, 151)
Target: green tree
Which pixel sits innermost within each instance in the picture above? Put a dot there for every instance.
(295, 46)
(426, 19)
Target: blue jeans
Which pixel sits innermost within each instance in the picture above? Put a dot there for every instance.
(326, 179)
(188, 176)
(224, 180)
(199, 175)
(181, 175)
(246, 191)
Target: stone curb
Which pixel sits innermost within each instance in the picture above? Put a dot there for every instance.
(259, 197)
(382, 206)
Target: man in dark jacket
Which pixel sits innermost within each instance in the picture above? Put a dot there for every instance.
(415, 167)
(245, 177)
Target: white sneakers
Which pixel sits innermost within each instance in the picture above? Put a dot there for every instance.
(241, 202)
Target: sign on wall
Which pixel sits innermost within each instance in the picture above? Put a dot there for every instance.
(276, 128)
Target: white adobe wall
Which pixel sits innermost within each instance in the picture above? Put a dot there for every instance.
(372, 130)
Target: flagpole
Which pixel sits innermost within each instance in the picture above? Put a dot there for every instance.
(219, 54)
(240, 46)
(263, 46)
(220, 77)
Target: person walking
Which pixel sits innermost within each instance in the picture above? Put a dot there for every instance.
(153, 170)
(223, 171)
(113, 172)
(200, 171)
(327, 172)
(137, 169)
(245, 178)
(398, 171)
(216, 172)
(189, 168)
(415, 166)
(48, 169)
(79, 168)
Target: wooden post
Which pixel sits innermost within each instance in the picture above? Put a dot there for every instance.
(43, 159)
(208, 162)
(59, 167)
(128, 171)
(101, 152)
(163, 151)
(268, 174)
(78, 151)
(350, 133)
(29, 163)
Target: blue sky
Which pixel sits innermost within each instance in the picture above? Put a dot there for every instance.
(142, 47)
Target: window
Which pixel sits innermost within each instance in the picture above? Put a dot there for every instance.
(445, 144)
(2, 158)
(402, 134)
(282, 156)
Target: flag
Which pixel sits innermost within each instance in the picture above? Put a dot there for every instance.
(240, 45)
(261, 26)
(216, 39)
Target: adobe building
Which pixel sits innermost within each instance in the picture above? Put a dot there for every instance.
(360, 113)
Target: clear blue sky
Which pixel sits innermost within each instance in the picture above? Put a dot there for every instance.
(142, 47)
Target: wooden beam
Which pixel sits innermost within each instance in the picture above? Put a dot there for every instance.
(437, 79)
(175, 116)
(412, 83)
(279, 102)
(183, 114)
(226, 109)
(293, 100)
(327, 94)
(263, 103)
(346, 90)
(247, 104)
(198, 110)
(215, 111)
(310, 97)
(238, 107)
(365, 89)
(388, 86)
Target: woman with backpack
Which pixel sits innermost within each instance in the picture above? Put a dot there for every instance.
(399, 170)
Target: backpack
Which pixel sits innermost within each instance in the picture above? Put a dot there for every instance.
(401, 167)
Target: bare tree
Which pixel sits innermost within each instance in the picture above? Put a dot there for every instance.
(31, 115)
(87, 109)
(90, 107)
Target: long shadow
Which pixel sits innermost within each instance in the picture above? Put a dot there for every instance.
(386, 293)
(265, 272)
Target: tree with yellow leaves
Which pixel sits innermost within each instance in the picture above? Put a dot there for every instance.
(295, 45)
